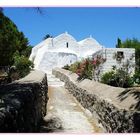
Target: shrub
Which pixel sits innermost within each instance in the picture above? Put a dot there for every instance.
(74, 67)
(83, 69)
(117, 78)
(23, 65)
(86, 69)
(108, 78)
(136, 77)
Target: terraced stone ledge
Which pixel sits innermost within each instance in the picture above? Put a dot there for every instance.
(117, 109)
(23, 103)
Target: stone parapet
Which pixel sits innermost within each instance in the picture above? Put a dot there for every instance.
(23, 103)
(117, 109)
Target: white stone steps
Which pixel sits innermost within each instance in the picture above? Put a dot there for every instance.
(53, 81)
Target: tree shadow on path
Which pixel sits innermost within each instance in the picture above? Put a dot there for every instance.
(135, 93)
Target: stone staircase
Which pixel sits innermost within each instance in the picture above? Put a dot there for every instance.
(53, 81)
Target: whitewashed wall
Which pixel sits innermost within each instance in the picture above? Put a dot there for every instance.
(64, 49)
(51, 60)
(46, 43)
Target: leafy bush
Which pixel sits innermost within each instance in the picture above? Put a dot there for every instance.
(74, 67)
(83, 69)
(117, 78)
(23, 65)
(136, 77)
(108, 78)
(86, 69)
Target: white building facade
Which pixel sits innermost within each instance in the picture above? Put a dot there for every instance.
(64, 49)
(115, 58)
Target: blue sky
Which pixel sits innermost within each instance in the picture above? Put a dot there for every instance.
(104, 24)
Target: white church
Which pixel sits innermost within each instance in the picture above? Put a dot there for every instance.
(65, 49)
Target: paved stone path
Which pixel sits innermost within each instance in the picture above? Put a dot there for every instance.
(64, 113)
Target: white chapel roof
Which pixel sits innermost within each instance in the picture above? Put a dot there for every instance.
(89, 42)
(45, 42)
(65, 36)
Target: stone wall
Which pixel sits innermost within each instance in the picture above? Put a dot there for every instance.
(23, 103)
(117, 109)
(128, 57)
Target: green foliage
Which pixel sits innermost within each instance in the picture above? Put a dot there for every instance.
(136, 77)
(11, 40)
(108, 78)
(27, 51)
(83, 69)
(87, 69)
(118, 78)
(74, 67)
(23, 65)
(14, 48)
(47, 36)
(119, 43)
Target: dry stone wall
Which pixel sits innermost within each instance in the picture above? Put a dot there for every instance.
(23, 103)
(117, 109)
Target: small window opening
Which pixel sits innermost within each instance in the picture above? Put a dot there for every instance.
(120, 54)
(67, 44)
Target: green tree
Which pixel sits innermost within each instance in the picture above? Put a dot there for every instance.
(47, 36)
(11, 40)
(14, 47)
(27, 51)
(119, 43)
